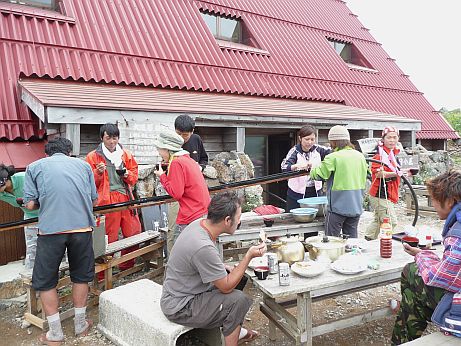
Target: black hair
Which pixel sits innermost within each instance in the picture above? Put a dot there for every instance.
(306, 130)
(184, 123)
(109, 128)
(58, 145)
(223, 205)
(6, 171)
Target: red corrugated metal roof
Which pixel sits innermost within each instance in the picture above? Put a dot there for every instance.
(164, 43)
(20, 154)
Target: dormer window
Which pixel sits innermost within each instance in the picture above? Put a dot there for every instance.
(46, 4)
(224, 28)
(351, 55)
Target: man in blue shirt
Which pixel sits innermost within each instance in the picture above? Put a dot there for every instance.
(64, 189)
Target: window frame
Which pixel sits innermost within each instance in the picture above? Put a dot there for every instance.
(31, 3)
(218, 35)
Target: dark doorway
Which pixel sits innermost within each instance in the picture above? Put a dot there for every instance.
(278, 147)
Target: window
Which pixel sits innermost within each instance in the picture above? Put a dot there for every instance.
(350, 54)
(47, 4)
(224, 28)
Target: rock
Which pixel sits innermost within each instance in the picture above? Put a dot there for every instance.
(210, 172)
(29, 331)
(25, 324)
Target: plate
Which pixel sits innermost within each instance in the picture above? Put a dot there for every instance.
(258, 262)
(308, 269)
(348, 268)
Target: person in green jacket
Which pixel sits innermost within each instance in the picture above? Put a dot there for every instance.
(11, 192)
(345, 171)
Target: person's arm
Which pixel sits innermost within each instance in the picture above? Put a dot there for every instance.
(175, 181)
(131, 175)
(228, 283)
(443, 272)
(30, 191)
(289, 160)
(323, 151)
(94, 193)
(323, 171)
(97, 168)
(203, 159)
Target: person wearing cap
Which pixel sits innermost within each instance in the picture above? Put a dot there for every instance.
(385, 182)
(184, 180)
(11, 192)
(345, 171)
(115, 173)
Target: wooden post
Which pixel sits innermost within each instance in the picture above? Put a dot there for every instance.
(304, 318)
(73, 134)
(240, 139)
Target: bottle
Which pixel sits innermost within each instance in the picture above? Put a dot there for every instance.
(385, 239)
(428, 241)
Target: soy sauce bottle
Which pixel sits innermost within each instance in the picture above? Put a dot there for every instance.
(385, 239)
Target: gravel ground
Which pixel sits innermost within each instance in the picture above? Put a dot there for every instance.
(15, 332)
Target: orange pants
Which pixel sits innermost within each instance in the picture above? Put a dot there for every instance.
(125, 220)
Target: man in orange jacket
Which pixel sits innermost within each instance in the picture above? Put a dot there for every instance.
(115, 173)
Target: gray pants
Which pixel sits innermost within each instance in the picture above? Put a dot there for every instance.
(336, 223)
(382, 208)
(213, 309)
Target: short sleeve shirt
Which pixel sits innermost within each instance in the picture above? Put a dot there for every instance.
(64, 186)
(193, 265)
(18, 183)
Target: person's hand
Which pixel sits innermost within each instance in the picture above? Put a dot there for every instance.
(126, 174)
(410, 249)
(101, 167)
(257, 250)
(159, 171)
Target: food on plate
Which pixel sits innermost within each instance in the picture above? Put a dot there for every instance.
(303, 265)
(308, 268)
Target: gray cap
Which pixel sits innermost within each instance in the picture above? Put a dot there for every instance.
(169, 140)
(338, 133)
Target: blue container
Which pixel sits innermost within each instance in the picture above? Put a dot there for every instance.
(319, 203)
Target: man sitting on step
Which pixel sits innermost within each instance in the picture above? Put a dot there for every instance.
(197, 290)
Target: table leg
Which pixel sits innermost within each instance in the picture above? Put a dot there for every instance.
(304, 318)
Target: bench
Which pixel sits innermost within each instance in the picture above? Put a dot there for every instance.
(131, 315)
(421, 192)
(435, 339)
(150, 247)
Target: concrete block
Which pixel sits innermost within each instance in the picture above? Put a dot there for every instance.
(131, 315)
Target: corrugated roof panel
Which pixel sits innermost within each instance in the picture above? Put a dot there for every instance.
(166, 43)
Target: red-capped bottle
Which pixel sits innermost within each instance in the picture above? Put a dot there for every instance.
(385, 239)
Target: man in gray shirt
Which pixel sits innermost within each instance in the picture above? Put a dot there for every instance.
(197, 290)
(64, 189)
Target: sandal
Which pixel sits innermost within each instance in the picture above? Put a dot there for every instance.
(87, 329)
(249, 336)
(44, 340)
(394, 305)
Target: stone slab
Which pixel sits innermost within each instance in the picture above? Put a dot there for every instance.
(434, 339)
(131, 315)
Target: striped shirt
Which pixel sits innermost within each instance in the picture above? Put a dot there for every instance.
(446, 272)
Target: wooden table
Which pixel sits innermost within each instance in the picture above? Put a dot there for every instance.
(327, 285)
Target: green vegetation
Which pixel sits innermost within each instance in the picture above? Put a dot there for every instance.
(453, 117)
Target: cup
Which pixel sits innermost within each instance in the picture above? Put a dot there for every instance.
(261, 272)
(121, 171)
(412, 241)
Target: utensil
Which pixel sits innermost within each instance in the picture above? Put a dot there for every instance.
(121, 171)
(318, 247)
(319, 203)
(261, 272)
(304, 214)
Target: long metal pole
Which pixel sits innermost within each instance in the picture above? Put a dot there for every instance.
(156, 200)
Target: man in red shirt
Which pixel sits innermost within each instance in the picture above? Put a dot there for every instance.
(184, 180)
